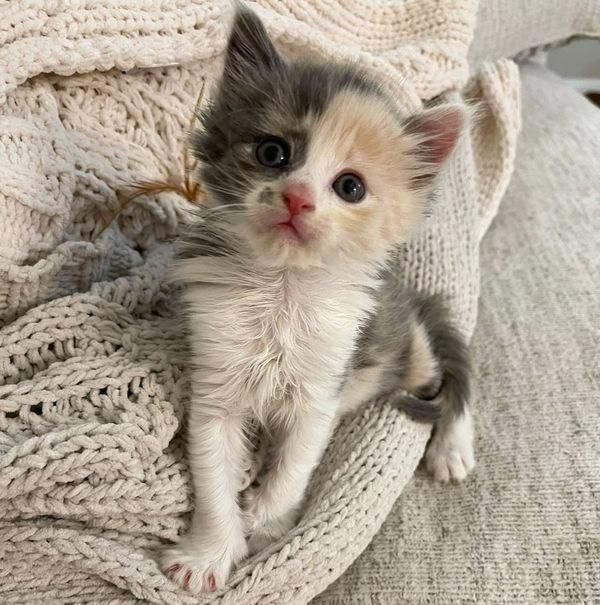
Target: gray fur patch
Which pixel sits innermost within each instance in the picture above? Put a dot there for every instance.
(206, 237)
(267, 196)
(260, 94)
(388, 336)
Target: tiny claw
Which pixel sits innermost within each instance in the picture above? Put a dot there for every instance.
(212, 583)
(173, 569)
(186, 580)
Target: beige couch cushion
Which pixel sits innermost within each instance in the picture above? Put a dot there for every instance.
(506, 28)
(526, 527)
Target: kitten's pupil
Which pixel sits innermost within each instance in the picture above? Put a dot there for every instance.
(349, 187)
(273, 152)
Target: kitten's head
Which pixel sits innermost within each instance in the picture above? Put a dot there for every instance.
(311, 163)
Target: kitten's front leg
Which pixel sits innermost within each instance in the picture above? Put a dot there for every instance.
(271, 508)
(203, 559)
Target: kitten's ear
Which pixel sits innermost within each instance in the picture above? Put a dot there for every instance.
(435, 133)
(249, 49)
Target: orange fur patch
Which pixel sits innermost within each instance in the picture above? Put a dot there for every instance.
(423, 364)
(360, 133)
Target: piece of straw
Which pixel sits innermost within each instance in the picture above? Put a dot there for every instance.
(185, 186)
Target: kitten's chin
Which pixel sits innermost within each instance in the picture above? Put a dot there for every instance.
(287, 251)
(284, 246)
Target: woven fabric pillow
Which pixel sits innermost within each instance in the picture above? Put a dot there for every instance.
(93, 478)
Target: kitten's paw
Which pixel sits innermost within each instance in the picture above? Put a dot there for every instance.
(197, 571)
(270, 532)
(194, 573)
(263, 526)
(447, 463)
(450, 456)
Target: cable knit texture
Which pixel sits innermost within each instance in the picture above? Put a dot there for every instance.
(93, 479)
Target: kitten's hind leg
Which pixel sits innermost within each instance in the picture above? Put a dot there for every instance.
(435, 371)
(449, 455)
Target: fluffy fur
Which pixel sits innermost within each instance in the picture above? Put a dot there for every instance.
(296, 316)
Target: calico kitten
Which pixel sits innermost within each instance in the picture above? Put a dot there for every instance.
(295, 313)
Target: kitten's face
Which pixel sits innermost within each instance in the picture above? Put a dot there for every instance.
(320, 186)
(310, 164)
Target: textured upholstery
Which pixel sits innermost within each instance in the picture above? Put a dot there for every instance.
(506, 28)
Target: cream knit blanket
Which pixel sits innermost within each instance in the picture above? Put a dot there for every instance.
(92, 476)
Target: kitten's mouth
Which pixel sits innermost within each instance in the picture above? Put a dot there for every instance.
(292, 228)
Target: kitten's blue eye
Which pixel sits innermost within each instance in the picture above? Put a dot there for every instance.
(349, 187)
(273, 152)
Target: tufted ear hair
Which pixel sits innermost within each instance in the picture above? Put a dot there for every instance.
(435, 133)
(249, 50)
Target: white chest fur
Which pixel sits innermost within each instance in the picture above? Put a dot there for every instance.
(270, 341)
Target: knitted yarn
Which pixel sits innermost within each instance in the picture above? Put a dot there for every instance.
(93, 478)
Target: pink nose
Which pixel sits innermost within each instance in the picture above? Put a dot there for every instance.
(298, 198)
